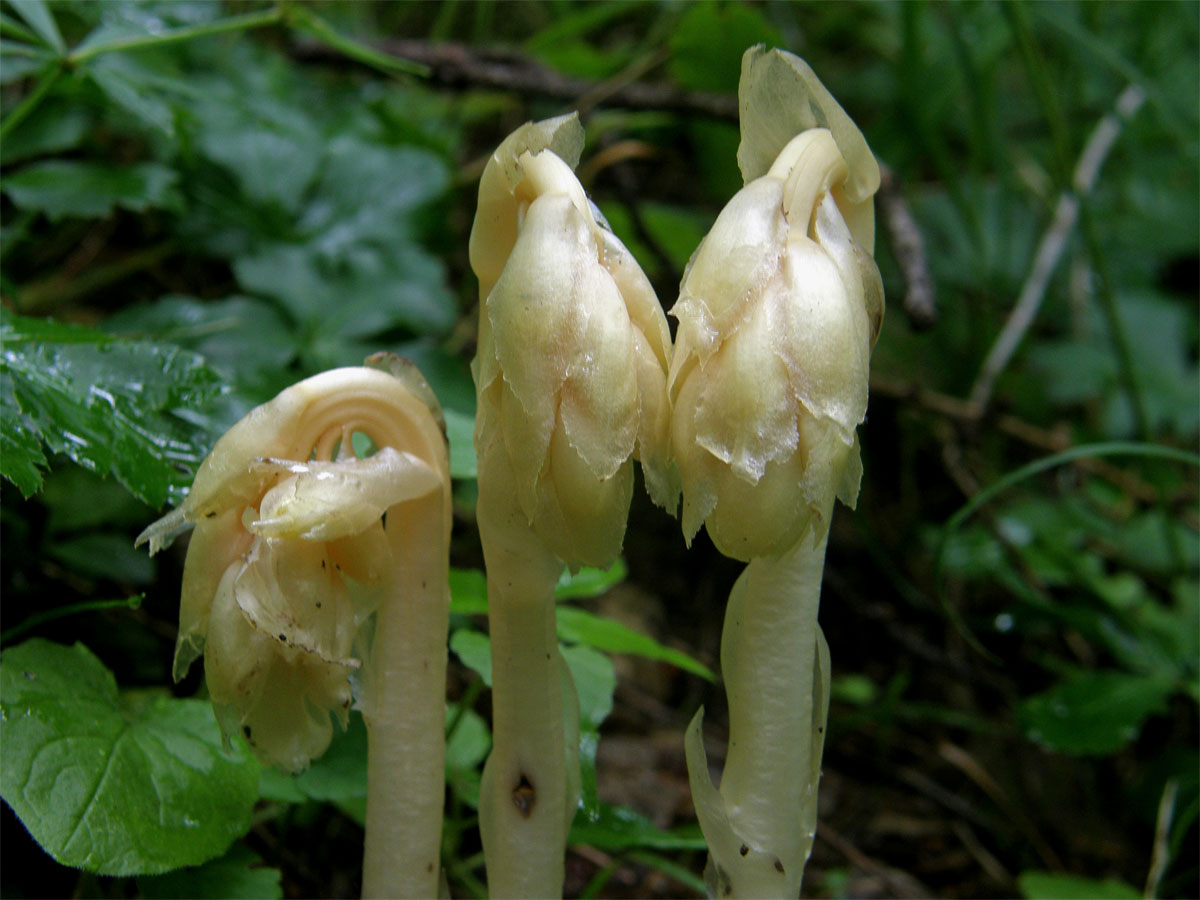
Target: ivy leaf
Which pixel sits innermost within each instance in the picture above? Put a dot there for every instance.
(115, 407)
(116, 785)
(61, 188)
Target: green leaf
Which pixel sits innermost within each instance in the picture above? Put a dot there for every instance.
(51, 128)
(583, 627)
(595, 680)
(239, 873)
(460, 430)
(1059, 886)
(112, 406)
(38, 17)
(110, 556)
(1094, 713)
(341, 772)
(589, 581)
(468, 592)
(707, 44)
(246, 340)
(272, 149)
(474, 651)
(617, 828)
(61, 188)
(116, 785)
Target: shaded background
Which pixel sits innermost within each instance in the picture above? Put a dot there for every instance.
(1015, 691)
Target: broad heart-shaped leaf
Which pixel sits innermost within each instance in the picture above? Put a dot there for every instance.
(1094, 713)
(60, 187)
(239, 873)
(116, 785)
(115, 407)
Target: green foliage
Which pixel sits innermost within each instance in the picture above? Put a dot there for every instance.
(115, 407)
(203, 202)
(118, 784)
(239, 873)
(1056, 886)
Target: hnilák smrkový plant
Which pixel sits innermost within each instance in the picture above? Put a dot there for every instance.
(313, 575)
(571, 383)
(778, 311)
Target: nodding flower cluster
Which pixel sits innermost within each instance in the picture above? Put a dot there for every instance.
(751, 415)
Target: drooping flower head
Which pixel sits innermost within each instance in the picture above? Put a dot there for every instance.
(573, 347)
(778, 311)
(291, 551)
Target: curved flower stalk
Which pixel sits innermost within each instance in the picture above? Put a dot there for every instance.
(778, 311)
(310, 571)
(571, 383)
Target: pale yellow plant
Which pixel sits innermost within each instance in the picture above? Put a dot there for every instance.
(313, 575)
(571, 384)
(778, 311)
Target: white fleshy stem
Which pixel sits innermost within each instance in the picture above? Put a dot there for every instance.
(406, 732)
(530, 780)
(760, 824)
(404, 686)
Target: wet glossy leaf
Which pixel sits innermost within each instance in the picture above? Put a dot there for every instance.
(116, 785)
(62, 188)
(115, 407)
(239, 873)
(1093, 713)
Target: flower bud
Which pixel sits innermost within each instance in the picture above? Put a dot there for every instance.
(573, 347)
(290, 555)
(778, 311)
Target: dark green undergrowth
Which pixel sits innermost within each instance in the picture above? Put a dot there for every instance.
(203, 202)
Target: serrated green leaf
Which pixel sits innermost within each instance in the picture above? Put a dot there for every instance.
(1061, 886)
(272, 149)
(51, 128)
(19, 60)
(38, 17)
(583, 627)
(112, 406)
(239, 873)
(61, 188)
(117, 786)
(246, 340)
(21, 458)
(1094, 713)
